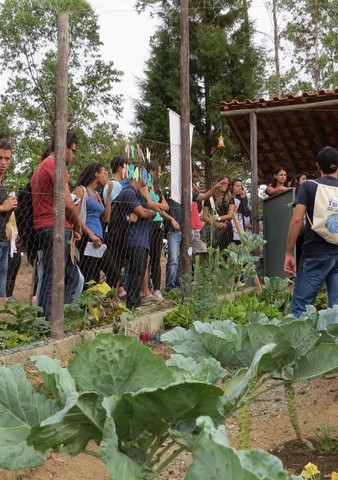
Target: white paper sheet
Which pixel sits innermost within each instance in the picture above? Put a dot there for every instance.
(91, 251)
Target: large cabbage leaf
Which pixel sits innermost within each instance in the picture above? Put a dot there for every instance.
(328, 320)
(119, 465)
(257, 336)
(115, 364)
(153, 412)
(57, 379)
(321, 360)
(244, 382)
(301, 335)
(208, 370)
(176, 335)
(20, 409)
(214, 459)
(82, 419)
(221, 344)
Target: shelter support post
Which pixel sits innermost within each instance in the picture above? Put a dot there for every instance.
(254, 172)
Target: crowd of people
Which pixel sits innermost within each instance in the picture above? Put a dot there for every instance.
(115, 225)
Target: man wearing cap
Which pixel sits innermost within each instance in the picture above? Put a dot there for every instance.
(319, 261)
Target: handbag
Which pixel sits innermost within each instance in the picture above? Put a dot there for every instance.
(83, 206)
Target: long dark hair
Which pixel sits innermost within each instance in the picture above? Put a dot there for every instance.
(275, 172)
(227, 194)
(87, 176)
(295, 180)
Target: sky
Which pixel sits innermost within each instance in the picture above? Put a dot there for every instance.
(126, 36)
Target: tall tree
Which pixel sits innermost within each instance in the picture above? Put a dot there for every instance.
(224, 65)
(28, 53)
(308, 40)
(313, 32)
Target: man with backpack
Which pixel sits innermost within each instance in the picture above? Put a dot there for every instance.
(318, 200)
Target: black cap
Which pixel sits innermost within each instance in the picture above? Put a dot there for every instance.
(327, 159)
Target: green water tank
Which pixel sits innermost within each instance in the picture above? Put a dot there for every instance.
(277, 212)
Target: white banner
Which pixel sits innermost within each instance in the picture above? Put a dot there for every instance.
(176, 154)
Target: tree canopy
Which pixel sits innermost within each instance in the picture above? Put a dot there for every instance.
(28, 53)
(224, 64)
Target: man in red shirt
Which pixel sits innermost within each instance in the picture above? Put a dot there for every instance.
(42, 186)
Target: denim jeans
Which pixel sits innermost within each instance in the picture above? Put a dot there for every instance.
(45, 270)
(173, 263)
(311, 275)
(4, 247)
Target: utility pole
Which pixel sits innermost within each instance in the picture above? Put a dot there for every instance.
(185, 137)
(57, 328)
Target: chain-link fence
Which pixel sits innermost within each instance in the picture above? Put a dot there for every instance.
(112, 242)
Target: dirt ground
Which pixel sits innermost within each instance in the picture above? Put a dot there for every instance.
(271, 430)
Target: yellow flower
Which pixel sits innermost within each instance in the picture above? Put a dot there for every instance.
(96, 314)
(334, 476)
(310, 470)
(103, 288)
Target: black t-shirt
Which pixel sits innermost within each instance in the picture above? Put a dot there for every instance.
(222, 207)
(3, 215)
(314, 244)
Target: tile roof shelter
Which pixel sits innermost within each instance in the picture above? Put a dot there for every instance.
(283, 131)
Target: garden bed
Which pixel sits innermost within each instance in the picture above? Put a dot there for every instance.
(271, 430)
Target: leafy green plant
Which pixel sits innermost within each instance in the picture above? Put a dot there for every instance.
(326, 439)
(93, 307)
(20, 317)
(10, 339)
(245, 308)
(218, 273)
(133, 405)
(213, 458)
(180, 316)
(277, 291)
(302, 349)
(321, 300)
(237, 262)
(115, 392)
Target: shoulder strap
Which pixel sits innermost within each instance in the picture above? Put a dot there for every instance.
(313, 181)
(98, 197)
(306, 213)
(212, 204)
(84, 192)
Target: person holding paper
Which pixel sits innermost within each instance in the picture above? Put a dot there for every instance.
(91, 248)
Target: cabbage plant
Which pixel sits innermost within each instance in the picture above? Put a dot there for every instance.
(214, 459)
(135, 407)
(302, 349)
(116, 392)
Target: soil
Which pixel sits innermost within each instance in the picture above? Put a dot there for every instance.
(317, 403)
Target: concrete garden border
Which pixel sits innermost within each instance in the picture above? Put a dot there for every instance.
(63, 349)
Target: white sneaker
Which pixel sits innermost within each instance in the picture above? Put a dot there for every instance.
(158, 295)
